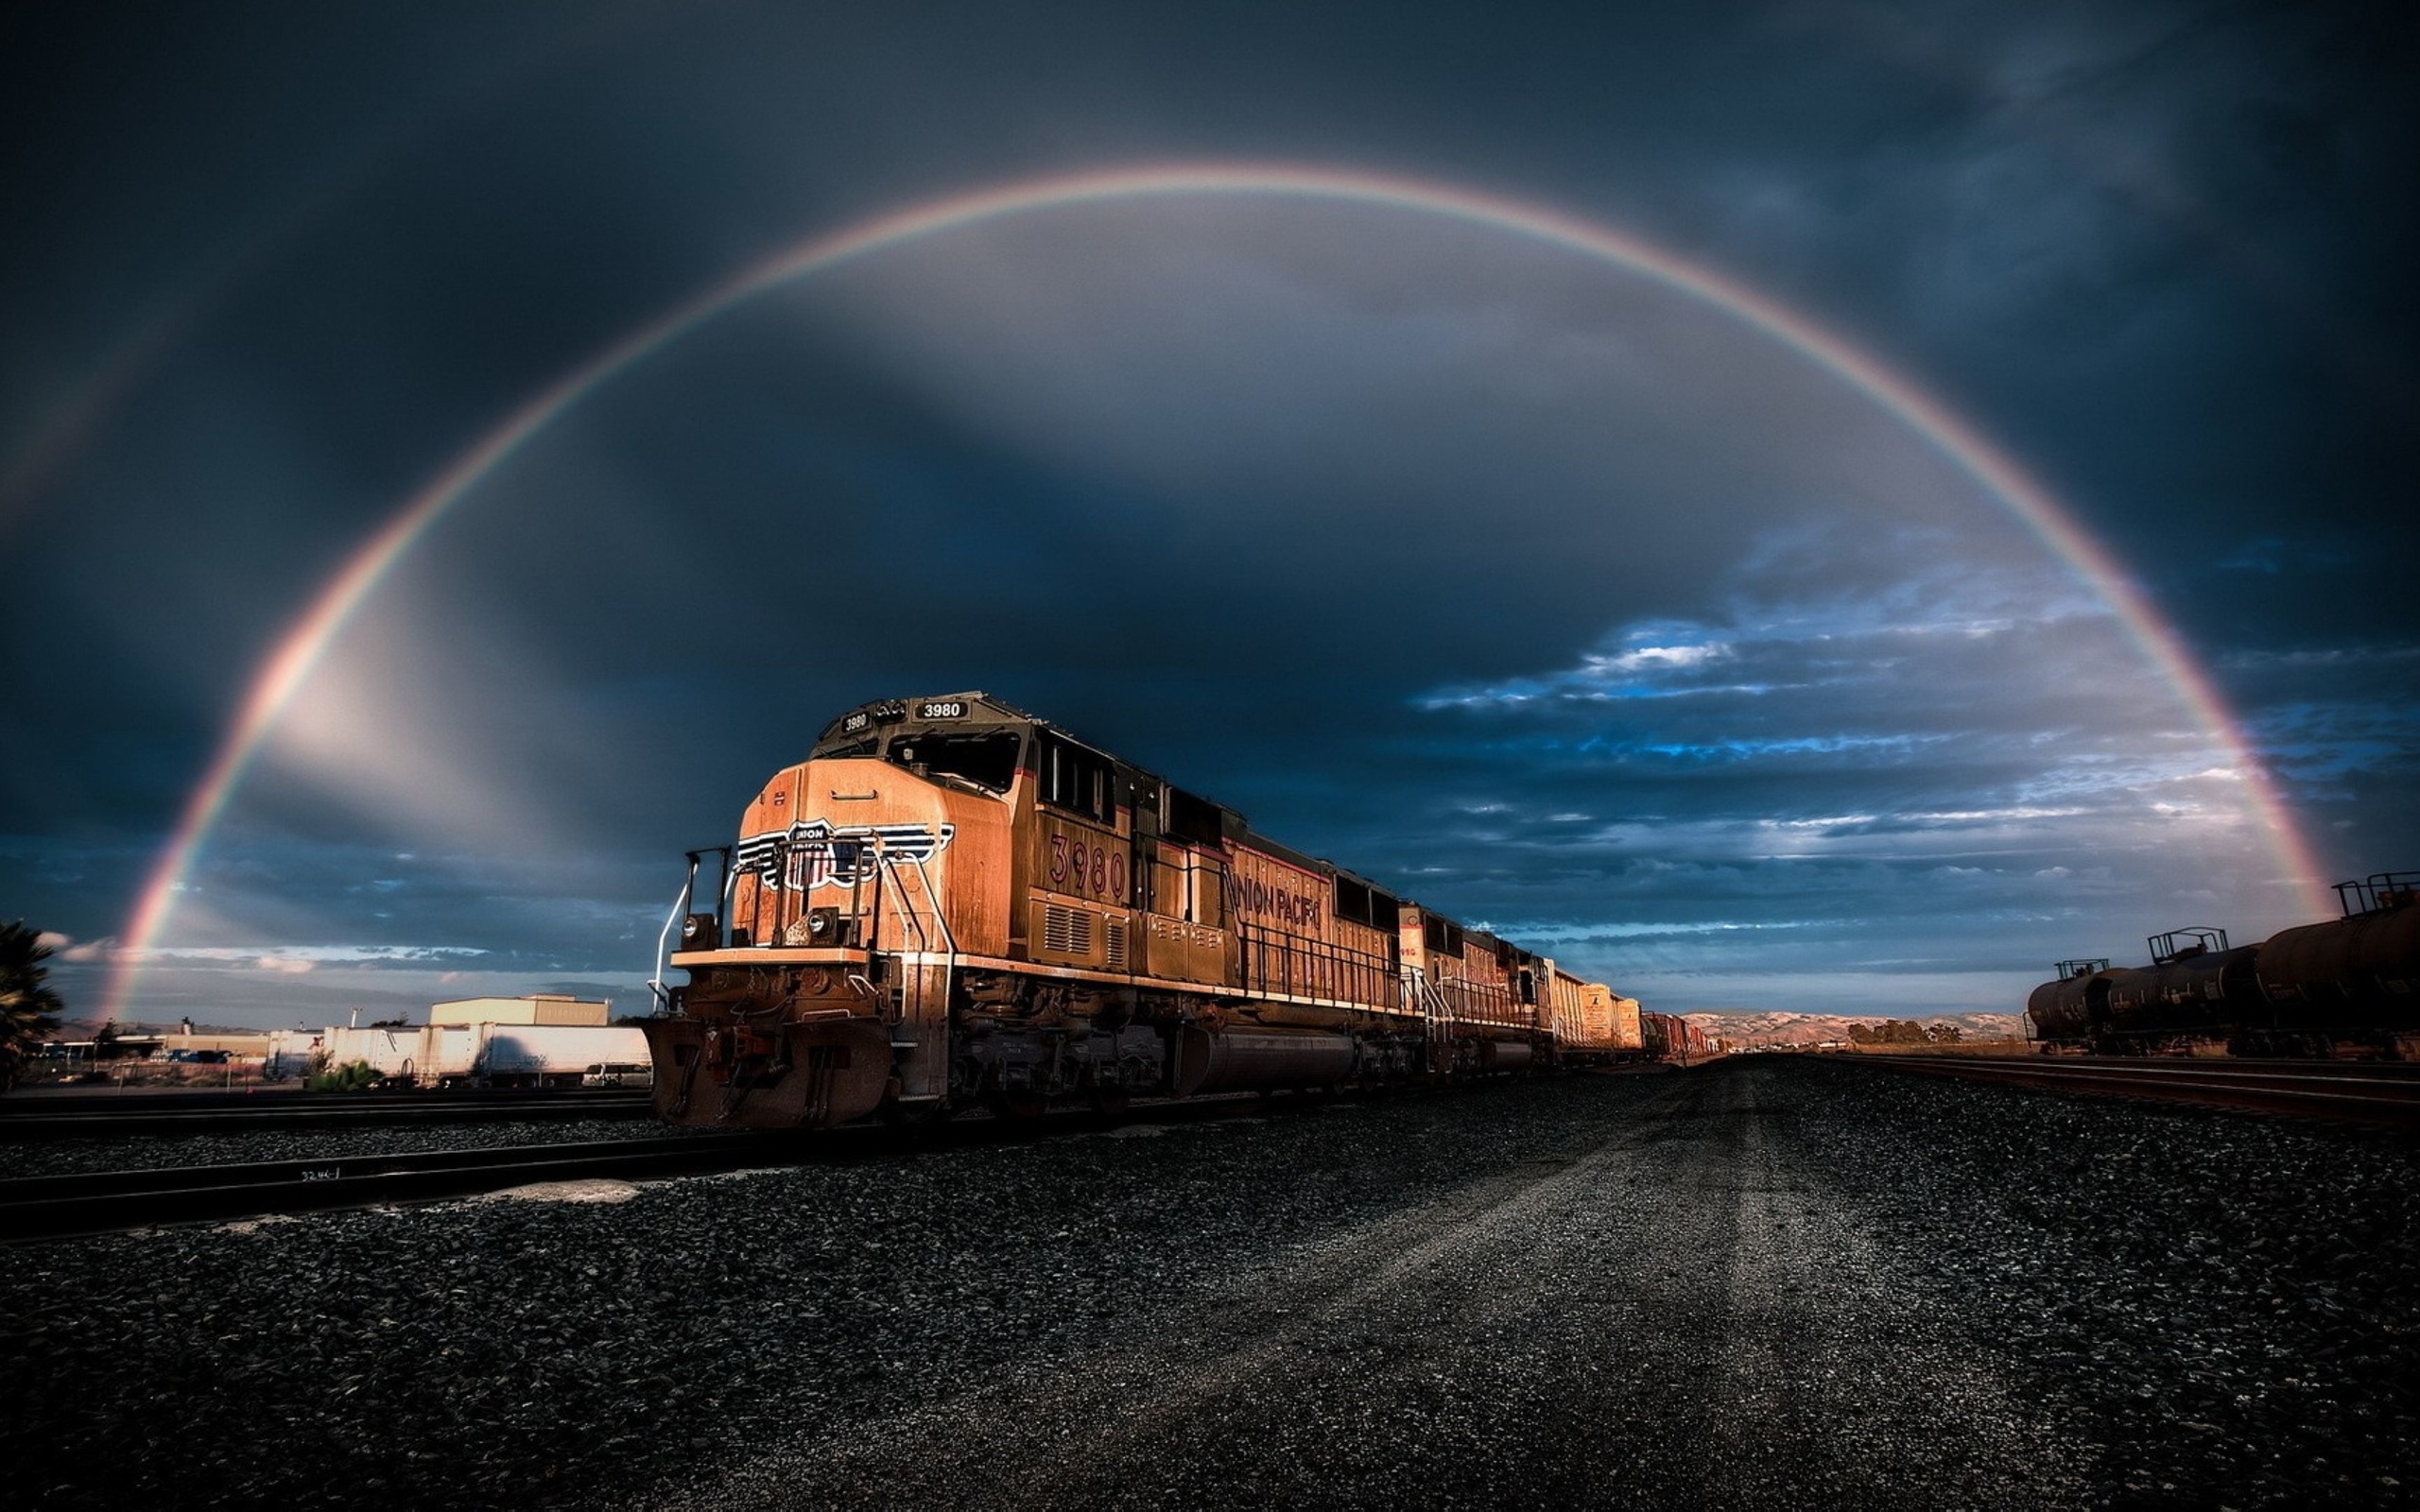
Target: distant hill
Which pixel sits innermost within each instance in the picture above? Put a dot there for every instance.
(85, 1028)
(1818, 1029)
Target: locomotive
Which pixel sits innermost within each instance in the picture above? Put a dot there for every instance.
(952, 904)
(2349, 987)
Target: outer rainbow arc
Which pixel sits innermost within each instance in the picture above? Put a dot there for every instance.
(299, 651)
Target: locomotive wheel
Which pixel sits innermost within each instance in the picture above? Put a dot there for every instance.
(1112, 1100)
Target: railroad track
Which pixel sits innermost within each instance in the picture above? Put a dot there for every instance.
(57, 1207)
(105, 1116)
(2384, 1094)
(60, 1207)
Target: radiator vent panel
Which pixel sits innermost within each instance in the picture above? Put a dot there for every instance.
(1066, 930)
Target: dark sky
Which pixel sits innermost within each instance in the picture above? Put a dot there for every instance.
(1561, 601)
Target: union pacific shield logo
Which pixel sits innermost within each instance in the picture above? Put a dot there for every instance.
(817, 854)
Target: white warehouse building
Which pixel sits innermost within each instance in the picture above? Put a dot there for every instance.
(542, 1007)
(531, 1041)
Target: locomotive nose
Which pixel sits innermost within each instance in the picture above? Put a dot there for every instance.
(787, 1075)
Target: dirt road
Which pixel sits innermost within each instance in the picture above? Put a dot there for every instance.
(1667, 1313)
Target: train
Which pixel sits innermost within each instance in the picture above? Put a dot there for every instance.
(2346, 987)
(953, 904)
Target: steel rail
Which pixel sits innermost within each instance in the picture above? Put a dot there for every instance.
(31, 1102)
(2383, 1094)
(60, 1207)
(174, 1115)
(57, 1207)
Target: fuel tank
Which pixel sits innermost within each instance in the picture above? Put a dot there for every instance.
(1506, 1055)
(1255, 1060)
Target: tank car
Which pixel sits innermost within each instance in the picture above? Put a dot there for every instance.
(2189, 997)
(952, 902)
(2065, 1010)
(2349, 985)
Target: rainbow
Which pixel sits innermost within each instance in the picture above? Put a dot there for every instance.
(291, 663)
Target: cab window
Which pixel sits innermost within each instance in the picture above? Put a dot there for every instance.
(1364, 904)
(1076, 779)
(1194, 820)
(988, 759)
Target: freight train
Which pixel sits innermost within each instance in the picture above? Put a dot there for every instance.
(2349, 987)
(954, 904)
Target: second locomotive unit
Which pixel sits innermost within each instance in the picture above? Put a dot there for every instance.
(951, 902)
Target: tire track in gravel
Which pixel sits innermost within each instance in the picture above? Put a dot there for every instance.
(1010, 1446)
(1666, 1314)
(1838, 1382)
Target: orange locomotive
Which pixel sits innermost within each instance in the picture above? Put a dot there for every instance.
(951, 902)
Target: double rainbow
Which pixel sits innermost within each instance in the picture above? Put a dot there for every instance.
(286, 670)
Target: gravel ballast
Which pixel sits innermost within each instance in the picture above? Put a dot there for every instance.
(1771, 1283)
(2223, 1308)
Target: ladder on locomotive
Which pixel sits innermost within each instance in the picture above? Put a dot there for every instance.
(1421, 996)
(896, 867)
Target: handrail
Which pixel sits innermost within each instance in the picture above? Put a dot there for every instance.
(1330, 971)
(940, 917)
(887, 863)
(727, 895)
(1467, 1000)
(662, 941)
(1436, 1014)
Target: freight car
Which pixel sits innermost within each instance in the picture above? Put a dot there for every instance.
(2348, 987)
(1669, 1037)
(952, 902)
(1594, 1024)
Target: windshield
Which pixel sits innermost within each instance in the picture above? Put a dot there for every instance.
(988, 759)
